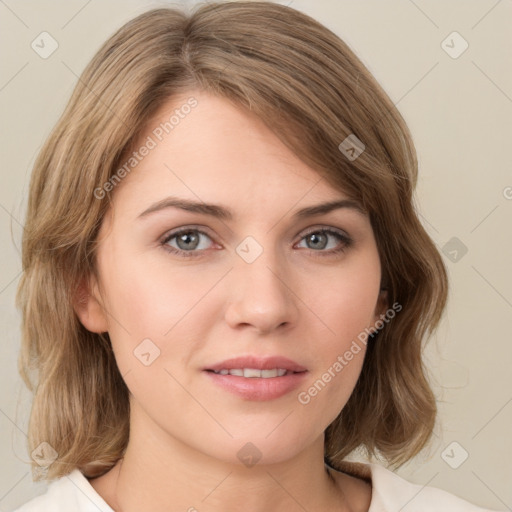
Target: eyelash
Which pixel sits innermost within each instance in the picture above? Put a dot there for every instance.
(346, 242)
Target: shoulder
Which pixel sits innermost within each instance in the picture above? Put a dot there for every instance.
(392, 492)
(70, 492)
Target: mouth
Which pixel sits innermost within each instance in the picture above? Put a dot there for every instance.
(256, 378)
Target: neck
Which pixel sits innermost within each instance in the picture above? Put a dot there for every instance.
(159, 476)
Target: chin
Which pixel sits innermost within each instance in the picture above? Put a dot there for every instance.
(249, 450)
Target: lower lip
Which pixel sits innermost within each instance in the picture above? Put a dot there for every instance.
(257, 388)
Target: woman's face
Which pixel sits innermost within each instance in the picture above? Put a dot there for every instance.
(248, 277)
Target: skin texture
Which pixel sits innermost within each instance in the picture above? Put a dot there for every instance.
(294, 300)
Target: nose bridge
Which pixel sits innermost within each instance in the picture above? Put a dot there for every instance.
(261, 294)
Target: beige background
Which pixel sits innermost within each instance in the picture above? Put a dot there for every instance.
(460, 114)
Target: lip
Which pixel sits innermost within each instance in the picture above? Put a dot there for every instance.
(258, 389)
(259, 363)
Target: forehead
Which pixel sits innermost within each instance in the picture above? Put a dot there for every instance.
(204, 147)
(199, 125)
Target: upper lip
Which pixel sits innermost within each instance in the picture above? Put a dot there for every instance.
(258, 363)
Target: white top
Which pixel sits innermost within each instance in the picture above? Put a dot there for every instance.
(390, 493)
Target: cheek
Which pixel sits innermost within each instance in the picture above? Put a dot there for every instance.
(345, 305)
(163, 304)
(147, 298)
(154, 329)
(346, 302)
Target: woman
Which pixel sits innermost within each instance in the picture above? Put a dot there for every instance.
(226, 285)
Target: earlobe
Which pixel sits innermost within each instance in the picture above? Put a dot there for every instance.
(89, 309)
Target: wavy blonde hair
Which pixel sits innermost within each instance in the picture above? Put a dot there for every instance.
(308, 87)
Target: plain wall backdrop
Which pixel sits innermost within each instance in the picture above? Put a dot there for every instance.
(457, 101)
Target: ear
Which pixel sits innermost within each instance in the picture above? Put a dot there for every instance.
(88, 306)
(382, 304)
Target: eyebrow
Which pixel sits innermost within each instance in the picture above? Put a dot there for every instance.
(223, 213)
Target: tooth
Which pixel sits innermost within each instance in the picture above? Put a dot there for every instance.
(251, 372)
(254, 372)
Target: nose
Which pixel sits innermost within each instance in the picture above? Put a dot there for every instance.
(261, 295)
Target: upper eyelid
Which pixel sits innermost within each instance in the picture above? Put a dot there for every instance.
(174, 232)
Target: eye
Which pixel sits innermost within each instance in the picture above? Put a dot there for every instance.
(188, 242)
(318, 241)
(191, 242)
